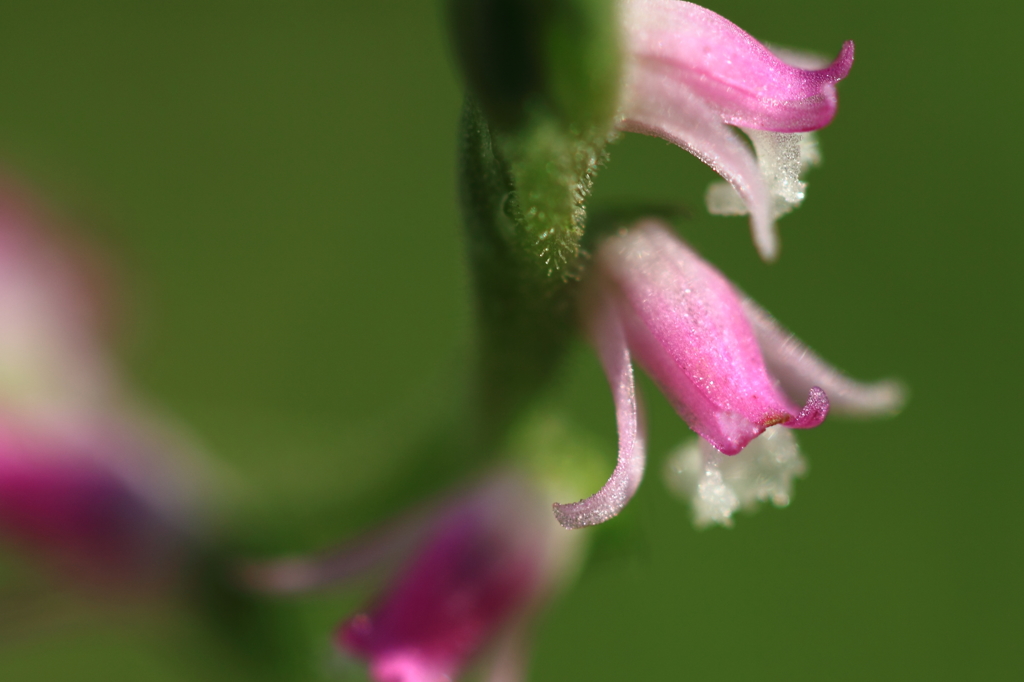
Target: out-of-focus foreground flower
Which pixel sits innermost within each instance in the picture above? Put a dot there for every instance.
(99, 501)
(691, 74)
(466, 578)
(728, 369)
(87, 482)
(53, 316)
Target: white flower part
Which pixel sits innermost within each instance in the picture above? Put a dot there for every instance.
(718, 485)
(782, 158)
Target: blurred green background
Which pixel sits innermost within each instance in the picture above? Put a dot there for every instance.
(276, 184)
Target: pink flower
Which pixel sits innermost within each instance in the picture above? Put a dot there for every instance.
(470, 573)
(728, 369)
(691, 74)
(86, 481)
(98, 501)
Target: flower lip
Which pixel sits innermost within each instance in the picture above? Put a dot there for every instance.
(717, 485)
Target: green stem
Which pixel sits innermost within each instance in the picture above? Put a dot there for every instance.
(523, 308)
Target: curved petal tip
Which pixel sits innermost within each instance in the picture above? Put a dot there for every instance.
(596, 509)
(607, 502)
(840, 68)
(814, 411)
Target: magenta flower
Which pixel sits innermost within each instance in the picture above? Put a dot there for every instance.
(465, 576)
(691, 74)
(728, 369)
(87, 482)
(99, 503)
(482, 565)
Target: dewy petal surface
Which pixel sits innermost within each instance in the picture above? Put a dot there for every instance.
(607, 334)
(724, 65)
(686, 325)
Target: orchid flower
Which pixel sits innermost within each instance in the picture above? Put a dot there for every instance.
(725, 365)
(98, 501)
(691, 74)
(470, 572)
(87, 481)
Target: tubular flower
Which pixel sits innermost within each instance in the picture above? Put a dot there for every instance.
(97, 501)
(728, 369)
(691, 74)
(465, 576)
(481, 567)
(86, 481)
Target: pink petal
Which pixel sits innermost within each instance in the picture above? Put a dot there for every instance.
(686, 325)
(725, 66)
(606, 331)
(52, 313)
(74, 510)
(482, 564)
(691, 74)
(797, 368)
(89, 499)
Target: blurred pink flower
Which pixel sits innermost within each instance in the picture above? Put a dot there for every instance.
(691, 74)
(465, 578)
(728, 369)
(98, 501)
(53, 350)
(88, 481)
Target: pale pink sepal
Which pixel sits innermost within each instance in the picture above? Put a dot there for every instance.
(653, 106)
(687, 327)
(797, 368)
(368, 555)
(726, 67)
(607, 334)
(52, 314)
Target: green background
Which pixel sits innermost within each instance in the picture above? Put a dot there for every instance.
(276, 183)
